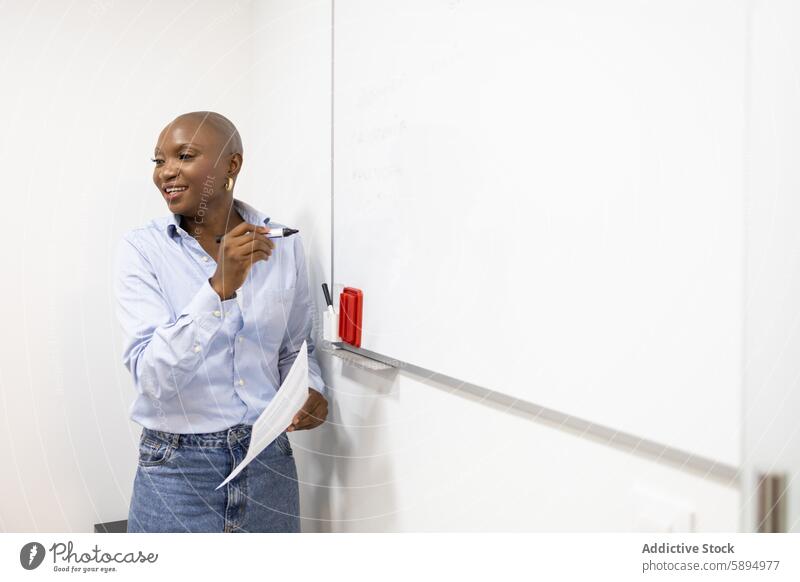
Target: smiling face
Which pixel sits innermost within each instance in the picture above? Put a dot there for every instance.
(194, 157)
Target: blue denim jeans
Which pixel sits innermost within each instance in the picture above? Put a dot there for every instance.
(174, 486)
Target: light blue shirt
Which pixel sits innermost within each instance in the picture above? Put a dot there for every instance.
(201, 364)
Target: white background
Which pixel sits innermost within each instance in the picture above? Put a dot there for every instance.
(87, 88)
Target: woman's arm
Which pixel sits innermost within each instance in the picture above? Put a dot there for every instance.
(163, 352)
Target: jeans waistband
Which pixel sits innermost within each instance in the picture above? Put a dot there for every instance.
(239, 433)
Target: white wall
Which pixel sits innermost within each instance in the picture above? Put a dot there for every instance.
(87, 87)
(772, 365)
(401, 453)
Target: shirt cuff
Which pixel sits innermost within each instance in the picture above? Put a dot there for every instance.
(318, 384)
(207, 309)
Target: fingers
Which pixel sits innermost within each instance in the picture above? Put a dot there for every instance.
(320, 411)
(254, 245)
(244, 245)
(301, 419)
(263, 244)
(243, 228)
(310, 416)
(255, 249)
(258, 256)
(245, 233)
(317, 416)
(258, 236)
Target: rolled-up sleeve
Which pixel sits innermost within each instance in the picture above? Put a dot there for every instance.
(162, 350)
(299, 326)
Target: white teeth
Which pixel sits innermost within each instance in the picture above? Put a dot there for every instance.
(170, 190)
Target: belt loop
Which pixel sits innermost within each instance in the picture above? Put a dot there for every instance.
(176, 437)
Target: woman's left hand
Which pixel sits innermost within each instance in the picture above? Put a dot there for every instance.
(313, 413)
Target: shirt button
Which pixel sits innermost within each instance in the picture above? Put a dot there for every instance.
(240, 339)
(217, 313)
(241, 382)
(196, 349)
(205, 259)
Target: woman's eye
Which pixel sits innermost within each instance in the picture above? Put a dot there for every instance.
(156, 161)
(185, 156)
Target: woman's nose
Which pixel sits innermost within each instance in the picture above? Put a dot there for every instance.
(169, 170)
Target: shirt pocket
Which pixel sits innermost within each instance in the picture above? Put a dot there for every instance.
(278, 304)
(276, 315)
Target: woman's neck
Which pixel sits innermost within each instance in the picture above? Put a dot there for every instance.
(213, 222)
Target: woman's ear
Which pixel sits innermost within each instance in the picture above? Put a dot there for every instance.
(234, 165)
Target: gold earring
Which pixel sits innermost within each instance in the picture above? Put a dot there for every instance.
(229, 184)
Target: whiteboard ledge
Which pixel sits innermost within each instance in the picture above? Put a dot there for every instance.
(355, 358)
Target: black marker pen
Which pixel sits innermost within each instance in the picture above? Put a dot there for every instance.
(329, 329)
(277, 233)
(327, 295)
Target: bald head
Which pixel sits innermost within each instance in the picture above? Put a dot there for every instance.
(230, 142)
(198, 157)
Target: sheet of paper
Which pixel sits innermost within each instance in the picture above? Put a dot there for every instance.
(278, 415)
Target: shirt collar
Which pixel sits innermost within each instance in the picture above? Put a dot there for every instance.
(249, 213)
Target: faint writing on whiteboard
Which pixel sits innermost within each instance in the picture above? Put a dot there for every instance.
(370, 95)
(377, 173)
(381, 133)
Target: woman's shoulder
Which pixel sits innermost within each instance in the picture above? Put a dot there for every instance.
(148, 238)
(275, 224)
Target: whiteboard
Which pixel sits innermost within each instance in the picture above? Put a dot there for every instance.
(545, 199)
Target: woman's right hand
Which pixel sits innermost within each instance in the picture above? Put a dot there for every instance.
(239, 249)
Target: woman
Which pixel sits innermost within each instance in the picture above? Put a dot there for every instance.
(211, 330)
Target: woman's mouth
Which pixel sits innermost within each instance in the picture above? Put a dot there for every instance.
(172, 192)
